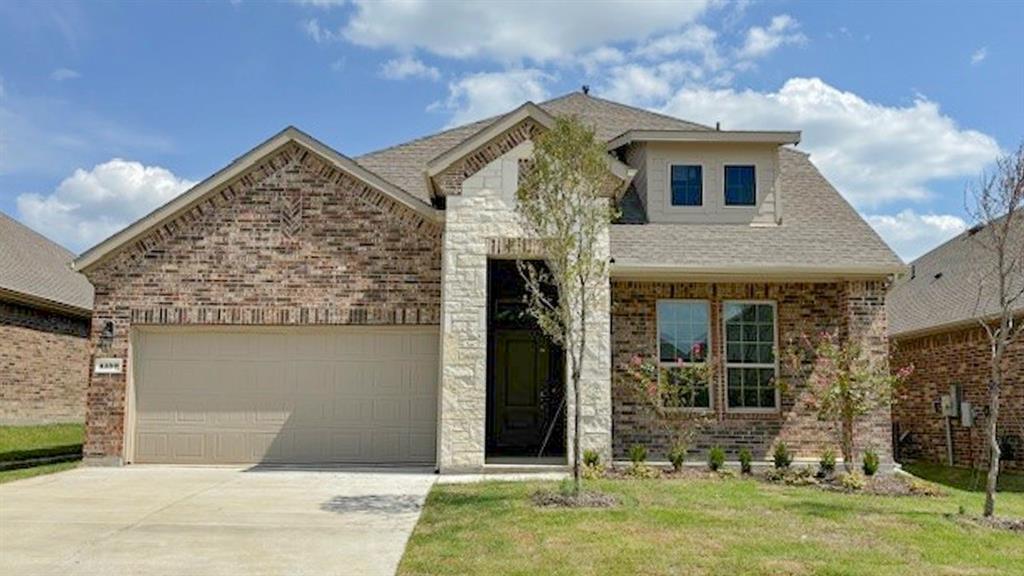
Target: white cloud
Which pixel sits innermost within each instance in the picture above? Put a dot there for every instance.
(695, 39)
(318, 33)
(408, 67)
(595, 60)
(324, 4)
(760, 41)
(911, 234)
(644, 85)
(979, 56)
(90, 205)
(485, 94)
(511, 31)
(62, 74)
(873, 153)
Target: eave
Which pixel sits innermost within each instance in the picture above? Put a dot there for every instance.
(706, 136)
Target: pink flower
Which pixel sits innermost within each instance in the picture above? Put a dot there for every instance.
(637, 360)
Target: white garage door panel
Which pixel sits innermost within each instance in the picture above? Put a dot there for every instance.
(302, 395)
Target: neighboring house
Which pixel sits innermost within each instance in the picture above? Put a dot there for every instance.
(934, 324)
(302, 306)
(44, 329)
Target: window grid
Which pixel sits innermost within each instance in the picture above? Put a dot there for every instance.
(740, 186)
(682, 324)
(686, 184)
(751, 364)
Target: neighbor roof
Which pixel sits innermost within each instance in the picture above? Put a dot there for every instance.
(36, 271)
(821, 235)
(404, 164)
(951, 285)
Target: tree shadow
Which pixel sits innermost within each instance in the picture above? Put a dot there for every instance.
(378, 503)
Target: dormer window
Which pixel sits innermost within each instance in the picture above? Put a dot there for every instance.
(687, 183)
(740, 186)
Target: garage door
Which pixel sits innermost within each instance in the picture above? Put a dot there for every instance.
(297, 396)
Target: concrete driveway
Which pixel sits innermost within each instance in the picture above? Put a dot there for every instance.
(149, 520)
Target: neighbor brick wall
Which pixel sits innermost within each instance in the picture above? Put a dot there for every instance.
(293, 241)
(957, 356)
(44, 365)
(856, 308)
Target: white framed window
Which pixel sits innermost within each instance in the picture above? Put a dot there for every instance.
(750, 330)
(684, 335)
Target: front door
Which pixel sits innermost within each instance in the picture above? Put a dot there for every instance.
(522, 369)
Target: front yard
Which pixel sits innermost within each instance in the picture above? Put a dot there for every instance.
(25, 443)
(710, 526)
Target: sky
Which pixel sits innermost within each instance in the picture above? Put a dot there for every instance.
(108, 110)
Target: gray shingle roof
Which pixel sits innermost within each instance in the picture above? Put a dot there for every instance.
(403, 165)
(819, 230)
(33, 266)
(952, 284)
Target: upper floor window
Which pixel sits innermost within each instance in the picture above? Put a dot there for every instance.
(683, 333)
(740, 186)
(687, 185)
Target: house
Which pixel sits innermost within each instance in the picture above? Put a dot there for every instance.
(44, 329)
(935, 316)
(301, 306)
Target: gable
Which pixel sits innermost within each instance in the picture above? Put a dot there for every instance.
(254, 164)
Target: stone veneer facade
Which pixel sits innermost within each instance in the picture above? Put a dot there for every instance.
(855, 308)
(293, 241)
(44, 365)
(957, 356)
(480, 224)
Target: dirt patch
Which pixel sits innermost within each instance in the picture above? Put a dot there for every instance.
(879, 485)
(585, 499)
(1011, 524)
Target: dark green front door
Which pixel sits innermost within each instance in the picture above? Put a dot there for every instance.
(522, 362)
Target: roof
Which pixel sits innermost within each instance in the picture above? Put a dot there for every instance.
(195, 194)
(820, 236)
(953, 284)
(37, 271)
(404, 164)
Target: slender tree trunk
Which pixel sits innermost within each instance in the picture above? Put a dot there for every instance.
(577, 370)
(993, 421)
(846, 443)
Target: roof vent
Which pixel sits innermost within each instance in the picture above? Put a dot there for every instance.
(913, 271)
(974, 229)
(718, 126)
(586, 89)
(938, 275)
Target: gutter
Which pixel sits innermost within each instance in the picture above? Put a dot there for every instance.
(792, 273)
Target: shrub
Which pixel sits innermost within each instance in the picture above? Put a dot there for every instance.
(851, 482)
(781, 456)
(591, 458)
(594, 472)
(827, 463)
(716, 458)
(637, 454)
(677, 455)
(745, 459)
(871, 463)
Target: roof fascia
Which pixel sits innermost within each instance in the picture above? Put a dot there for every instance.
(43, 303)
(775, 273)
(727, 136)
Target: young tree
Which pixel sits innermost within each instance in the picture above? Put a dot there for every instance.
(563, 203)
(996, 204)
(843, 383)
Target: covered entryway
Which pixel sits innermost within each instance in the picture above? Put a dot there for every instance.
(304, 395)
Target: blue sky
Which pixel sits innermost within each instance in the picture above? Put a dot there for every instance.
(108, 110)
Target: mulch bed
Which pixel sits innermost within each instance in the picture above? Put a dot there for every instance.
(997, 523)
(585, 499)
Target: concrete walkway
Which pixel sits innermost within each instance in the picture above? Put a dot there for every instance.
(155, 520)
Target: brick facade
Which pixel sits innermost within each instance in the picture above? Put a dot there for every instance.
(855, 308)
(449, 181)
(44, 365)
(957, 356)
(292, 241)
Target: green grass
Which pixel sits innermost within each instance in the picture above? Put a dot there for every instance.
(965, 478)
(728, 527)
(24, 442)
(22, 473)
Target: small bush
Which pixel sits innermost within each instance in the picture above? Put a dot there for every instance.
(871, 463)
(642, 471)
(716, 458)
(851, 482)
(592, 472)
(591, 458)
(677, 456)
(781, 456)
(827, 464)
(567, 487)
(637, 454)
(745, 461)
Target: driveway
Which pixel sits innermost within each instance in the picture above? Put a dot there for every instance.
(149, 520)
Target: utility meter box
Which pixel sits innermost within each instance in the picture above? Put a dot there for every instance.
(948, 406)
(966, 415)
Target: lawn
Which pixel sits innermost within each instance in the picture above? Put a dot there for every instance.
(730, 527)
(27, 442)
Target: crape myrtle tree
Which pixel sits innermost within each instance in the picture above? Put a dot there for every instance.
(996, 205)
(564, 204)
